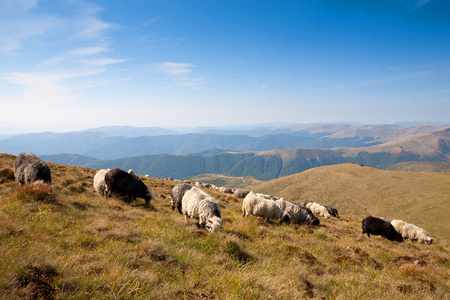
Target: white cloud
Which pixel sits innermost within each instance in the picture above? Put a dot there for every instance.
(179, 74)
(40, 88)
(87, 51)
(172, 68)
(14, 32)
(22, 21)
(17, 6)
(69, 56)
(105, 61)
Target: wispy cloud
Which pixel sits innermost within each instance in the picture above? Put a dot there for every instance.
(22, 21)
(172, 68)
(150, 21)
(180, 73)
(87, 51)
(105, 61)
(75, 54)
(414, 5)
(36, 81)
(40, 88)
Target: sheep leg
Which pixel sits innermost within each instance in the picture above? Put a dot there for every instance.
(186, 219)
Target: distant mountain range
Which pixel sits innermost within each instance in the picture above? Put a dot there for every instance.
(265, 152)
(124, 141)
(264, 165)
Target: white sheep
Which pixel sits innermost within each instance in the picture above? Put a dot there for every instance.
(412, 232)
(199, 205)
(318, 209)
(130, 171)
(225, 190)
(99, 182)
(261, 207)
(268, 197)
(294, 210)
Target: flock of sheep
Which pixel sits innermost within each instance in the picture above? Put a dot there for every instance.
(193, 202)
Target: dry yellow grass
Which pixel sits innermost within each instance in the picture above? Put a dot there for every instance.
(77, 245)
(420, 198)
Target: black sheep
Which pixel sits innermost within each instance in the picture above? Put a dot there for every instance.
(311, 219)
(332, 211)
(377, 226)
(122, 182)
(29, 168)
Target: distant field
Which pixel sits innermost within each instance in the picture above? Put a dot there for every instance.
(421, 166)
(225, 180)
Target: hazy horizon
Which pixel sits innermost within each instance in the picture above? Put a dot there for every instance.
(9, 131)
(74, 65)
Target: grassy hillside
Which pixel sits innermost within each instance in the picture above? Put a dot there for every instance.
(73, 244)
(421, 198)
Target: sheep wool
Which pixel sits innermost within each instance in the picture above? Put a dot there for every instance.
(176, 195)
(412, 232)
(294, 210)
(199, 205)
(261, 207)
(99, 182)
(29, 168)
(318, 209)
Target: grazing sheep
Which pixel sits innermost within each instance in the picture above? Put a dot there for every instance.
(268, 197)
(99, 182)
(199, 205)
(130, 171)
(29, 168)
(318, 209)
(377, 226)
(332, 211)
(261, 207)
(225, 190)
(177, 194)
(294, 210)
(312, 219)
(241, 193)
(412, 232)
(120, 181)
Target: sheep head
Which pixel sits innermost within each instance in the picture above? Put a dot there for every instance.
(213, 224)
(285, 218)
(148, 196)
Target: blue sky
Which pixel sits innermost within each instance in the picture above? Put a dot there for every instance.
(68, 65)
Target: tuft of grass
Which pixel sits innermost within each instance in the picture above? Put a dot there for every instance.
(410, 270)
(36, 191)
(36, 281)
(6, 173)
